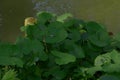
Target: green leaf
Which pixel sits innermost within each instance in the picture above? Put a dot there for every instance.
(63, 58)
(33, 48)
(43, 56)
(93, 47)
(79, 71)
(115, 62)
(100, 39)
(69, 23)
(23, 28)
(74, 24)
(27, 45)
(55, 33)
(78, 52)
(10, 75)
(117, 37)
(11, 61)
(43, 17)
(111, 68)
(115, 56)
(36, 32)
(110, 58)
(63, 17)
(102, 60)
(92, 70)
(74, 49)
(8, 55)
(74, 35)
(36, 46)
(59, 75)
(93, 27)
(32, 31)
(56, 72)
(7, 49)
(109, 77)
(97, 35)
(68, 44)
(110, 61)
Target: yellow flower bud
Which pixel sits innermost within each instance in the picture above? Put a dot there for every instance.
(30, 21)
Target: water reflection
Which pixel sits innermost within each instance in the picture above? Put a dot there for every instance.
(54, 6)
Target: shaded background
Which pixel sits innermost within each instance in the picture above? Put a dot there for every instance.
(13, 13)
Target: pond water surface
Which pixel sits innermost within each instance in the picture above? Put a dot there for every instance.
(13, 13)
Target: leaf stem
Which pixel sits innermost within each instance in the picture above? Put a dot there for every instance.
(46, 49)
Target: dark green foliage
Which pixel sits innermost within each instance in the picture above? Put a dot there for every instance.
(61, 48)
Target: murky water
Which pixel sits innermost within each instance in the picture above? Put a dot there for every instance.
(13, 13)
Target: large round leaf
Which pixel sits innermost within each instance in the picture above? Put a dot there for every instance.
(27, 45)
(97, 34)
(43, 17)
(55, 33)
(109, 77)
(63, 58)
(93, 27)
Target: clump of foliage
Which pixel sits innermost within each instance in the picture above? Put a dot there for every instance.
(61, 48)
